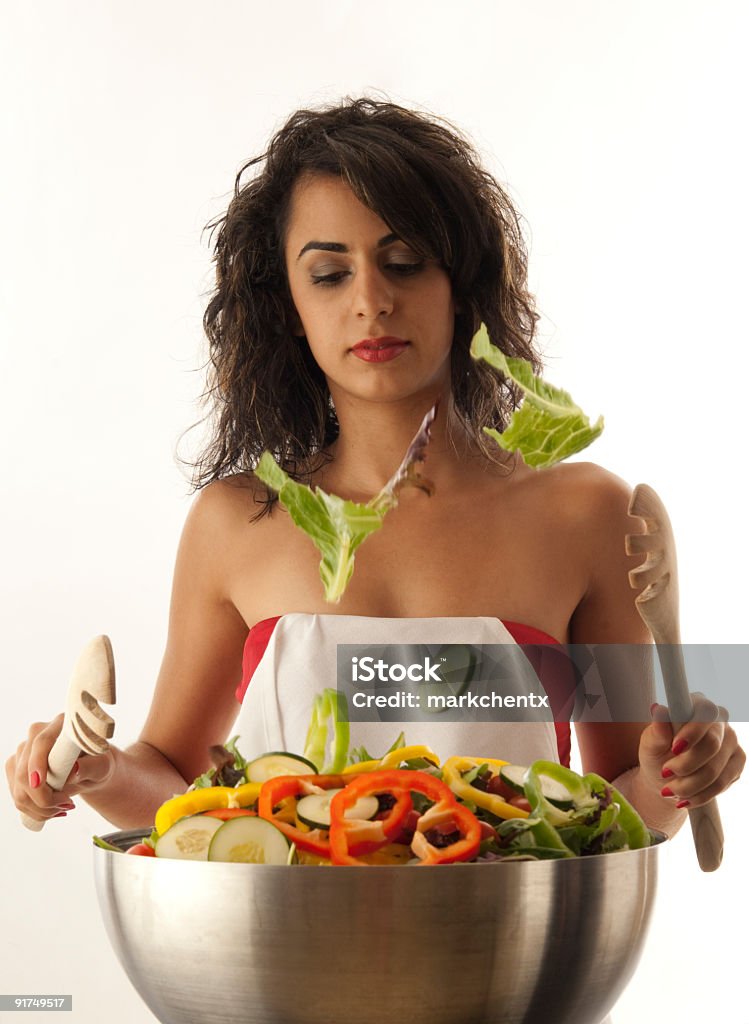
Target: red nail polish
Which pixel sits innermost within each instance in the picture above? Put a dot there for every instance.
(76, 768)
(683, 803)
(679, 747)
(666, 791)
(666, 773)
(34, 780)
(60, 814)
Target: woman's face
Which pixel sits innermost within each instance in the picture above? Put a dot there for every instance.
(352, 281)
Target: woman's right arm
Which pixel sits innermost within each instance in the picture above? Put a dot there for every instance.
(193, 705)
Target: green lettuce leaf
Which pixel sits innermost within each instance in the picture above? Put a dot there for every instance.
(548, 426)
(336, 526)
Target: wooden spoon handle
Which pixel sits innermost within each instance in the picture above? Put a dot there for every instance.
(705, 821)
(62, 757)
(708, 835)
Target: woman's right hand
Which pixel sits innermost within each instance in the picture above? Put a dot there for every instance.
(26, 771)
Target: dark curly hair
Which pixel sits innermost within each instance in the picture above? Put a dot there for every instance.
(423, 178)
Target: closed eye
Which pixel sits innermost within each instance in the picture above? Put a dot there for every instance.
(329, 278)
(400, 270)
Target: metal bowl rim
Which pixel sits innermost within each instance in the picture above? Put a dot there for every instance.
(129, 837)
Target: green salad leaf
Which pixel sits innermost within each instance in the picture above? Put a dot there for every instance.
(336, 526)
(357, 755)
(548, 426)
(601, 819)
(213, 777)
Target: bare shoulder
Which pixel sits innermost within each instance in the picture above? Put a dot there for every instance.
(595, 504)
(585, 491)
(222, 519)
(601, 489)
(601, 499)
(236, 496)
(227, 506)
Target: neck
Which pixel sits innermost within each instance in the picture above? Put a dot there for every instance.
(374, 438)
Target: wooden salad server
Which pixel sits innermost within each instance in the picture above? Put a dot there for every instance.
(658, 605)
(86, 726)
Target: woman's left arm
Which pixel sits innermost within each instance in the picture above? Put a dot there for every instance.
(662, 773)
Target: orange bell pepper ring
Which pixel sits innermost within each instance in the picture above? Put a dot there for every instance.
(275, 790)
(346, 834)
(354, 837)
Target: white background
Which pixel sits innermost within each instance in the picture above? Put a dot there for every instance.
(620, 129)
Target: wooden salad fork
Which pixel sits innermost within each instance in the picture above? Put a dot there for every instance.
(86, 726)
(658, 605)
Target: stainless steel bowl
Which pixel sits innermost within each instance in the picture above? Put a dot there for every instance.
(537, 942)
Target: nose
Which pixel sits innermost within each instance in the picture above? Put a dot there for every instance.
(372, 294)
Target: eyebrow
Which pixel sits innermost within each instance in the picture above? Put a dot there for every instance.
(340, 247)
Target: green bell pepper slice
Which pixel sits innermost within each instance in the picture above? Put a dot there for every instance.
(583, 790)
(328, 707)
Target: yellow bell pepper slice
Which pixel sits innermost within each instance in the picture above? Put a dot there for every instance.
(393, 853)
(362, 766)
(393, 759)
(207, 799)
(493, 762)
(452, 772)
(305, 857)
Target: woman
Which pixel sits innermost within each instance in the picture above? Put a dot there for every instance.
(352, 273)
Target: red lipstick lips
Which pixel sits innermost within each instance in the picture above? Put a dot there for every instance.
(379, 350)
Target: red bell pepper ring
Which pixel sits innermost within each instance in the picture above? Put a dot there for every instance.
(352, 837)
(445, 808)
(346, 835)
(464, 820)
(275, 790)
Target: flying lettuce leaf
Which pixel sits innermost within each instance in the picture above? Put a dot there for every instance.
(336, 526)
(548, 426)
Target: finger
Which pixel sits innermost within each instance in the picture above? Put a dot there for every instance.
(44, 814)
(20, 781)
(704, 714)
(705, 771)
(656, 739)
(42, 802)
(700, 753)
(32, 767)
(703, 709)
(730, 774)
(41, 741)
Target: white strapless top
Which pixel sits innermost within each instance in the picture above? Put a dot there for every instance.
(300, 661)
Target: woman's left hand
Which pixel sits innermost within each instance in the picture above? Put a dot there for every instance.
(692, 766)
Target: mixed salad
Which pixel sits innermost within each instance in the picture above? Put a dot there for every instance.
(335, 806)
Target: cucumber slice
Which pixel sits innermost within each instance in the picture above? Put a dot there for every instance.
(188, 838)
(314, 810)
(249, 841)
(555, 792)
(270, 766)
